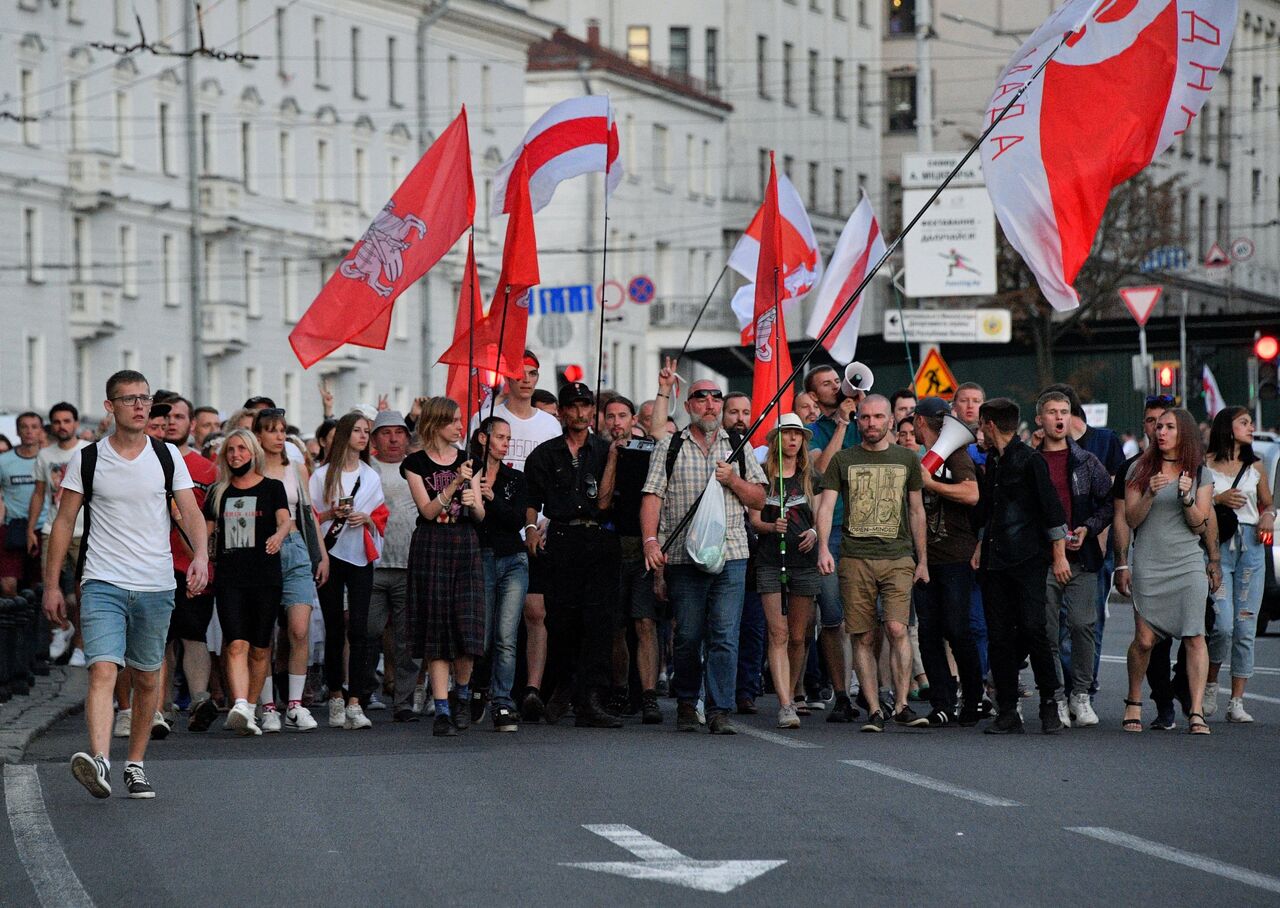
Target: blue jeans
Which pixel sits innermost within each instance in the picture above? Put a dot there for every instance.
(708, 610)
(506, 579)
(751, 648)
(978, 628)
(1237, 601)
(124, 626)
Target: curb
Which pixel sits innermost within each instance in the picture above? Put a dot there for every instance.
(54, 697)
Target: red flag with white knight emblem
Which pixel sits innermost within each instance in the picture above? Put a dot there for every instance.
(773, 356)
(426, 215)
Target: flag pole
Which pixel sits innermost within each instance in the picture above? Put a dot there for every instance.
(471, 323)
(777, 434)
(835, 320)
(604, 271)
(493, 393)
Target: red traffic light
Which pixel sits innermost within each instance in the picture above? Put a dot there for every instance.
(1166, 376)
(1266, 347)
(573, 372)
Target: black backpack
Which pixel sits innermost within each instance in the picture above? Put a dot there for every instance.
(89, 463)
(735, 439)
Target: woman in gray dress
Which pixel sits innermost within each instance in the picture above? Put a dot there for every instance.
(1168, 503)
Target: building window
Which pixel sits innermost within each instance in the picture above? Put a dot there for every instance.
(36, 393)
(124, 127)
(28, 87)
(242, 27)
(713, 59)
(400, 322)
(1255, 96)
(486, 96)
(901, 18)
(678, 61)
(660, 175)
(392, 99)
(629, 137)
(862, 14)
(902, 103)
(162, 23)
(837, 190)
(691, 172)
(1221, 222)
(813, 185)
(1184, 215)
(252, 296)
(251, 384)
(162, 130)
(837, 9)
(1202, 225)
(211, 277)
(451, 81)
(815, 5)
(32, 245)
(706, 168)
(322, 169)
(1224, 138)
(638, 44)
(362, 180)
(280, 42)
(762, 66)
(1255, 186)
(78, 114)
(813, 82)
(788, 165)
(246, 154)
(121, 17)
(206, 143)
(172, 378)
(355, 63)
(762, 167)
(317, 50)
(128, 261)
(862, 95)
(1204, 138)
(289, 289)
(292, 399)
(80, 267)
(837, 88)
(169, 269)
(396, 166)
(788, 86)
(288, 189)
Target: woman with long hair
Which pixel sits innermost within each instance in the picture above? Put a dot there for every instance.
(346, 495)
(300, 584)
(445, 594)
(1168, 503)
(1239, 483)
(248, 516)
(787, 583)
(505, 561)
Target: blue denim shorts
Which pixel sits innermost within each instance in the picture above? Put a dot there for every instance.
(123, 626)
(295, 565)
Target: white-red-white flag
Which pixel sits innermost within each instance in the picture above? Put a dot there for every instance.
(574, 137)
(1126, 85)
(1213, 401)
(799, 257)
(860, 246)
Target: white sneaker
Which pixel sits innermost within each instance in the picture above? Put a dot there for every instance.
(299, 718)
(337, 712)
(77, 658)
(1063, 714)
(1210, 699)
(356, 718)
(159, 727)
(61, 640)
(1083, 709)
(1235, 710)
(787, 717)
(240, 720)
(270, 722)
(123, 718)
(419, 699)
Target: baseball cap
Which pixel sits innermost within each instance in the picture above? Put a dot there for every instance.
(389, 419)
(575, 391)
(930, 407)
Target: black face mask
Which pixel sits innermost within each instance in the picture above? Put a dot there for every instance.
(242, 469)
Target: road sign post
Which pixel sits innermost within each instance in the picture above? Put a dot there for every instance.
(1141, 302)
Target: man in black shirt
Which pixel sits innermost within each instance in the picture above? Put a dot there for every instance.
(571, 480)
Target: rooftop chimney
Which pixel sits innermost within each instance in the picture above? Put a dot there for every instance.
(593, 32)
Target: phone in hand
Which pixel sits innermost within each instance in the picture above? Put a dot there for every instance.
(345, 504)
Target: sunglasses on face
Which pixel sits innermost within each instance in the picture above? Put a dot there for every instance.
(706, 394)
(271, 411)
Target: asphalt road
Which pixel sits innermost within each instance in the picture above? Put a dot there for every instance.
(394, 816)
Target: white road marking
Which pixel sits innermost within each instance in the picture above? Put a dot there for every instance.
(773, 737)
(1257, 669)
(955, 791)
(661, 864)
(1261, 698)
(39, 850)
(1178, 856)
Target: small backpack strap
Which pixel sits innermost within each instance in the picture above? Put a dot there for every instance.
(673, 451)
(88, 463)
(166, 465)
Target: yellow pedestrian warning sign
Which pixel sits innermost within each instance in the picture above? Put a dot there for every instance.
(934, 378)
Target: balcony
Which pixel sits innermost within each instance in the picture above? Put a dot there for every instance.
(681, 313)
(345, 359)
(219, 199)
(91, 176)
(95, 311)
(341, 223)
(222, 327)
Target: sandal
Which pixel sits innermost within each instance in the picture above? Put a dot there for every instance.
(1196, 724)
(1133, 725)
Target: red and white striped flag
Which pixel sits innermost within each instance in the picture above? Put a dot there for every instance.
(861, 245)
(1213, 401)
(574, 137)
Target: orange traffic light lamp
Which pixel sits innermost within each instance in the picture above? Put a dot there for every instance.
(1166, 375)
(1266, 348)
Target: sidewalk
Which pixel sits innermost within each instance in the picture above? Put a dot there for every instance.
(24, 718)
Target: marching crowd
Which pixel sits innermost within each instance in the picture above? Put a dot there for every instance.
(878, 552)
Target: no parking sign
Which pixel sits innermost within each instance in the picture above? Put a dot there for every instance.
(641, 290)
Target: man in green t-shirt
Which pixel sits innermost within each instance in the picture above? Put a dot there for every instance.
(884, 523)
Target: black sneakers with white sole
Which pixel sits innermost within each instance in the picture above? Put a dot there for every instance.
(92, 773)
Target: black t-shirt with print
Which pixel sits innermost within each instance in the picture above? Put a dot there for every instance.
(436, 478)
(799, 520)
(245, 519)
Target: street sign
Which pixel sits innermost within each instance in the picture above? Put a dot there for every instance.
(641, 290)
(959, 326)
(927, 170)
(1095, 415)
(1166, 258)
(952, 251)
(1242, 249)
(577, 298)
(612, 295)
(934, 378)
(555, 331)
(1216, 257)
(1140, 301)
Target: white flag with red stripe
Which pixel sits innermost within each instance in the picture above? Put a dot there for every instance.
(861, 245)
(799, 258)
(1213, 401)
(1124, 87)
(574, 137)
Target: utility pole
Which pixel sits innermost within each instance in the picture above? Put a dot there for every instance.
(1182, 351)
(924, 77)
(430, 13)
(194, 263)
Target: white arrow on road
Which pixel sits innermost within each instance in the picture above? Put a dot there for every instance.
(666, 865)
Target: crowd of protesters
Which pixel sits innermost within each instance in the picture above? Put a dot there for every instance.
(534, 565)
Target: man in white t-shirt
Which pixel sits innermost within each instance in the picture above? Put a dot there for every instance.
(530, 427)
(128, 584)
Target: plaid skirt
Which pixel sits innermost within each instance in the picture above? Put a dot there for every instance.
(445, 594)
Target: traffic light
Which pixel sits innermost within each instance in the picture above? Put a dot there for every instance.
(1166, 374)
(568, 372)
(1266, 348)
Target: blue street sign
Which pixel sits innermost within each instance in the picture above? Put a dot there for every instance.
(1166, 258)
(568, 300)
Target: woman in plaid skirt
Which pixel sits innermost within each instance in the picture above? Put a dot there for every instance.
(446, 580)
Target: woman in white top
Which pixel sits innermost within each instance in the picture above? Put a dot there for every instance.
(346, 494)
(299, 583)
(1239, 483)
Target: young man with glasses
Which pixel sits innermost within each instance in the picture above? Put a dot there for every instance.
(707, 607)
(128, 585)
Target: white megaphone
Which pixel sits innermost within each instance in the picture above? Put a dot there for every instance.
(857, 377)
(954, 436)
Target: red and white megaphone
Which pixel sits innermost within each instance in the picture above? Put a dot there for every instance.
(857, 377)
(954, 436)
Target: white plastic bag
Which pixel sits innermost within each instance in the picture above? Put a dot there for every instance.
(706, 537)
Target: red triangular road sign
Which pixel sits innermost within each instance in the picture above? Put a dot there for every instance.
(1216, 257)
(1141, 301)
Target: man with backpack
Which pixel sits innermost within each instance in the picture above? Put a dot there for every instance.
(704, 604)
(129, 485)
